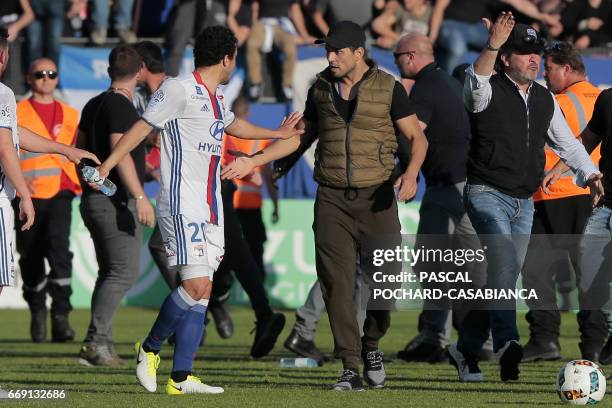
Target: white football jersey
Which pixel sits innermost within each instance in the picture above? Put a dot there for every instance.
(8, 120)
(193, 120)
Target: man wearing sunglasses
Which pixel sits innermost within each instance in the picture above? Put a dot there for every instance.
(53, 183)
(12, 180)
(437, 98)
(512, 118)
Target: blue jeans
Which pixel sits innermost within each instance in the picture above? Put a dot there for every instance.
(504, 226)
(455, 37)
(45, 30)
(101, 12)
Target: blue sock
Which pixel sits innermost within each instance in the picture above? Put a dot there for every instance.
(188, 335)
(173, 309)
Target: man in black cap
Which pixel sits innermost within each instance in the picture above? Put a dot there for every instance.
(512, 118)
(352, 109)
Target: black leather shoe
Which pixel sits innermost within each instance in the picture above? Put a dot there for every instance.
(266, 333)
(592, 356)
(541, 350)
(416, 350)
(223, 321)
(605, 357)
(303, 347)
(38, 325)
(61, 330)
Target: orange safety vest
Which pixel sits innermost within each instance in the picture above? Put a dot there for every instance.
(248, 194)
(44, 169)
(577, 103)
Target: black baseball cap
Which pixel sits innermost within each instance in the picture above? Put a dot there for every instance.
(344, 34)
(524, 40)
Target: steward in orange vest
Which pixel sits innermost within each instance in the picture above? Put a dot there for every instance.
(577, 103)
(558, 222)
(53, 183)
(47, 170)
(248, 195)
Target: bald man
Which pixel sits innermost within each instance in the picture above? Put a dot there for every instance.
(443, 222)
(53, 183)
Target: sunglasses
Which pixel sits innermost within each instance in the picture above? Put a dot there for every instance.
(557, 46)
(396, 55)
(49, 74)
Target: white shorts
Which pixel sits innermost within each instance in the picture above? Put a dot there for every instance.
(7, 222)
(191, 242)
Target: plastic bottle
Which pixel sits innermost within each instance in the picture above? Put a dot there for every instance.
(298, 363)
(91, 175)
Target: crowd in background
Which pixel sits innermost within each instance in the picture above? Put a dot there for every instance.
(453, 26)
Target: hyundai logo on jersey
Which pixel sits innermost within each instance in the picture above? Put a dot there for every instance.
(217, 129)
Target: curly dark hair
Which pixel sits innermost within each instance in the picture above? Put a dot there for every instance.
(212, 45)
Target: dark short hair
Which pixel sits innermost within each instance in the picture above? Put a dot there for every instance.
(151, 55)
(562, 53)
(499, 66)
(212, 45)
(3, 38)
(123, 62)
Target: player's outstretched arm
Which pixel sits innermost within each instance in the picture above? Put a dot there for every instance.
(10, 166)
(245, 130)
(243, 166)
(32, 142)
(128, 142)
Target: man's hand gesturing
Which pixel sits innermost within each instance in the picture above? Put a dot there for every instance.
(500, 30)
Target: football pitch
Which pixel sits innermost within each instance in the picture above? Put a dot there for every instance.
(260, 383)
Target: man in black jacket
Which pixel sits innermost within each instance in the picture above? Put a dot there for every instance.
(512, 118)
(442, 216)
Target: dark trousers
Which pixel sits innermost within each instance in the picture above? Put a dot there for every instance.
(254, 231)
(565, 217)
(183, 24)
(117, 237)
(343, 221)
(238, 258)
(49, 238)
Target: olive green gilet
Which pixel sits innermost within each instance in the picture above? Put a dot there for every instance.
(360, 153)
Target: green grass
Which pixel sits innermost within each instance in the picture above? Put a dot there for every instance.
(249, 383)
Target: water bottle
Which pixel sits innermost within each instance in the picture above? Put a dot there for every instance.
(91, 175)
(298, 363)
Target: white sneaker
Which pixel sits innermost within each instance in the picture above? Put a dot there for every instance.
(467, 372)
(146, 368)
(192, 385)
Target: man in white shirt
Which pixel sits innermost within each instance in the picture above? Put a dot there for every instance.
(192, 114)
(512, 118)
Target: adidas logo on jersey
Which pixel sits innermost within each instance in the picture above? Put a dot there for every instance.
(205, 108)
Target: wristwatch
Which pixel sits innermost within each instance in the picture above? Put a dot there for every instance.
(140, 197)
(491, 48)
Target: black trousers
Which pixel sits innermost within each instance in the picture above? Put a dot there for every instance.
(49, 238)
(254, 231)
(567, 218)
(238, 258)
